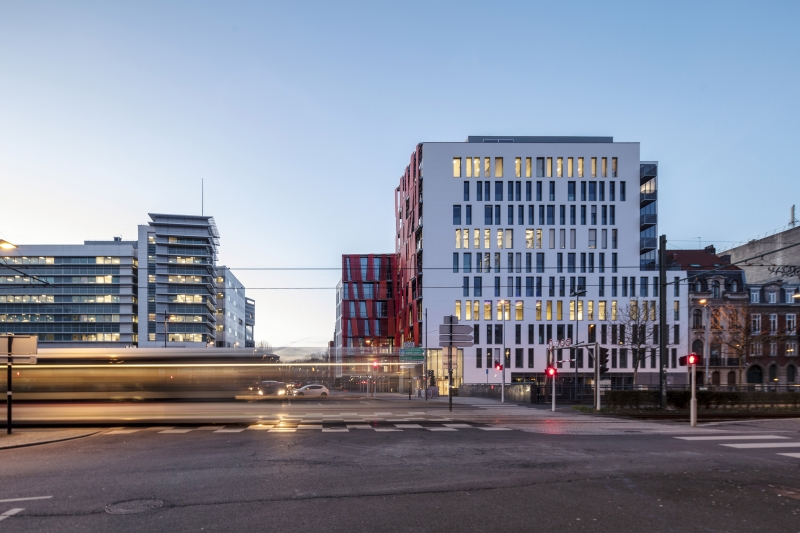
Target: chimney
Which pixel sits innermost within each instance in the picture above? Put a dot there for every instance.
(117, 239)
(710, 249)
(725, 258)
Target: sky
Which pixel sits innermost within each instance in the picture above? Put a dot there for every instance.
(300, 117)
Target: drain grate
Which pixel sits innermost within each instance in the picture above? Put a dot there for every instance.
(134, 506)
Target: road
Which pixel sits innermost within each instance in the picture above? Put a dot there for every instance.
(407, 466)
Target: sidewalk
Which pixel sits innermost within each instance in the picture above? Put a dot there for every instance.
(31, 437)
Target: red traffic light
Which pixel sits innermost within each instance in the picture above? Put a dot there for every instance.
(551, 371)
(691, 359)
(374, 364)
(498, 366)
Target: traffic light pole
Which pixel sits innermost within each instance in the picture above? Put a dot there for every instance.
(596, 377)
(693, 404)
(551, 357)
(662, 319)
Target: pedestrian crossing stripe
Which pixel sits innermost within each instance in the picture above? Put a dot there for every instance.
(748, 445)
(274, 428)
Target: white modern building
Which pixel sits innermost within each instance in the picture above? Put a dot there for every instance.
(515, 229)
(231, 310)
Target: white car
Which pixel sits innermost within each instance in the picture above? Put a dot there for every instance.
(312, 390)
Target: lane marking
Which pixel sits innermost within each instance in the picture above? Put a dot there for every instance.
(397, 420)
(795, 455)
(25, 499)
(358, 426)
(232, 430)
(261, 426)
(441, 429)
(387, 429)
(458, 426)
(176, 431)
(210, 428)
(121, 432)
(408, 426)
(495, 429)
(764, 445)
(282, 430)
(309, 426)
(10, 512)
(734, 437)
(335, 430)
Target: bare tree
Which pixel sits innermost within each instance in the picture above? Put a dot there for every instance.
(637, 329)
(264, 345)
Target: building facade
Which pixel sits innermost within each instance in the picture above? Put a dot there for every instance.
(94, 295)
(249, 323)
(71, 295)
(530, 239)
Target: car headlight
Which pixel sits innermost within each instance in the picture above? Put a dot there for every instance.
(281, 392)
(261, 393)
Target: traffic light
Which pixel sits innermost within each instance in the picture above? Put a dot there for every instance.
(603, 360)
(375, 365)
(691, 359)
(498, 366)
(551, 372)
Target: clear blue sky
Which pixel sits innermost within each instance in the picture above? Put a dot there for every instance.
(301, 117)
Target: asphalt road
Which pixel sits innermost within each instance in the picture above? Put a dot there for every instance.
(389, 469)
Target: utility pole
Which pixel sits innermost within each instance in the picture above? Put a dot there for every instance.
(662, 318)
(425, 360)
(165, 329)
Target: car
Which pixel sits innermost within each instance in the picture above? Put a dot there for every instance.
(263, 390)
(312, 390)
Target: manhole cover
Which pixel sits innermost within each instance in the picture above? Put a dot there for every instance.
(134, 506)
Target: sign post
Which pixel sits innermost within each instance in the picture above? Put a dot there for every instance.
(453, 335)
(24, 346)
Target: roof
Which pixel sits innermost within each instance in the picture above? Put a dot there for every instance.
(698, 260)
(537, 139)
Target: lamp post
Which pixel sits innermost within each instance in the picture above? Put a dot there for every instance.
(502, 304)
(577, 295)
(707, 354)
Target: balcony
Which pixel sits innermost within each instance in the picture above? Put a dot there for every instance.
(645, 221)
(647, 243)
(647, 172)
(646, 198)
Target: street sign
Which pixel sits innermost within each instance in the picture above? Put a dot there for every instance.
(408, 344)
(444, 342)
(457, 329)
(455, 338)
(451, 320)
(412, 351)
(412, 358)
(487, 371)
(21, 345)
(560, 343)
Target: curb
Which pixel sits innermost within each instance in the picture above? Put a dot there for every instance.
(26, 445)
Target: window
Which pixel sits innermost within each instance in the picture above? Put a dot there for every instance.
(583, 191)
(469, 216)
(518, 167)
(604, 215)
(538, 191)
(613, 167)
(551, 215)
(510, 215)
(715, 289)
(754, 299)
(496, 288)
(528, 188)
(487, 238)
(457, 214)
(549, 169)
(791, 324)
(455, 262)
(594, 167)
(621, 191)
(540, 167)
(676, 311)
(572, 211)
(487, 215)
(560, 167)
(487, 167)
(552, 191)
(612, 210)
(771, 297)
(573, 239)
(467, 262)
(773, 324)
(498, 191)
(755, 324)
(605, 167)
(497, 215)
(611, 191)
(676, 286)
(614, 239)
(540, 262)
(570, 262)
(458, 239)
(466, 191)
(456, 167)
(592, 238)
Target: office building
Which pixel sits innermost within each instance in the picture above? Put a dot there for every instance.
(231, 310)
(532, 239)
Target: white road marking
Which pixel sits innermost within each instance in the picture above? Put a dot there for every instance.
(764, 445)
(176, 431)
(441, 429)
(734, 437)
(10, 512)
(282, 430)
(795, 455)
(495, 429)
(335, 430)
(387, 429)
(209, 428)
(121, 432)
(25, 499)
(376, 413)
(408, 426)
(358, 426)
(397, 419)
(309, 426)
(232, 430)
(458, 426)
(261, 426)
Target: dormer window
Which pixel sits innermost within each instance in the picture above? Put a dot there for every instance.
(754, 299)
(734, 286)
(772, 298)
(715, 293)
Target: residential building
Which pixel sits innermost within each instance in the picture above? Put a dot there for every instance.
(513, 229)
(249, 323)
(716, 309)
(93, 295)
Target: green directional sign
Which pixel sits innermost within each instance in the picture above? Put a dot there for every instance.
(412, 355)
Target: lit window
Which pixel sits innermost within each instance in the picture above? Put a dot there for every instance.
(518, 167)
(580, 167)
(498, 167)
(594, 167)
(456, 167)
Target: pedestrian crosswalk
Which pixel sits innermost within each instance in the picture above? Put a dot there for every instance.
(329, 423)
(757, 442)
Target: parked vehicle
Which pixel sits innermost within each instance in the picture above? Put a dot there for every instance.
(314, 390)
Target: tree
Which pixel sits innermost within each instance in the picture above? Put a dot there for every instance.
(266, 346)
(637, 329)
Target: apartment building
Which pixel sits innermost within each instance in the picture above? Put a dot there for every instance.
(532, 239)
(231, 310)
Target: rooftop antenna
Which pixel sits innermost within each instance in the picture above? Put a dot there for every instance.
(792, 219)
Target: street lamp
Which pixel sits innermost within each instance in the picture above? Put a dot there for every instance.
(796, 294)
(707, 354)
(5, 245)
(577, 294)
(502, 304)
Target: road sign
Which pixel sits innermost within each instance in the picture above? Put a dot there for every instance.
(408, 344)
(412, 351)
(461, 343)
(560, 343)
(457, 329)
(412, 358)
(455, 338)
(451, 320)
(21, 345)
(487, 371)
